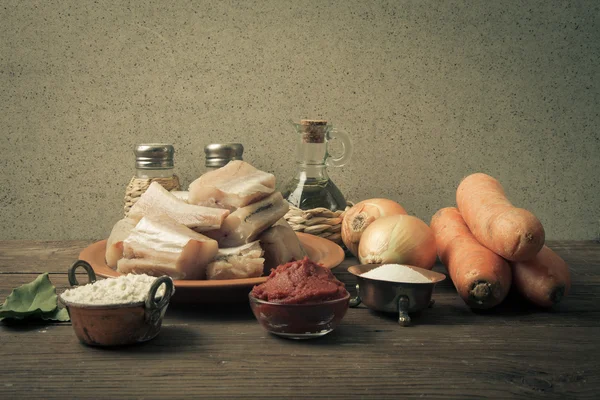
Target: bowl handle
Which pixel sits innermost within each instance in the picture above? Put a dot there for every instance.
(154, 308)
(85, 265)
(355, 301)
(403, 304)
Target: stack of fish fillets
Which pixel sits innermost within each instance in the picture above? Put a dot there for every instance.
(230, 227)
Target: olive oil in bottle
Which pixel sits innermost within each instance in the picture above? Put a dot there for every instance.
(311, 187)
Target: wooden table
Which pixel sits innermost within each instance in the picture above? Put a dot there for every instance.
(515, 351)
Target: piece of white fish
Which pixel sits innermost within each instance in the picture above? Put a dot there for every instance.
(235, 185)
(246, 223)
(158, 245)
(181, 194)
(237, 263)
(159, 201)
(114, 244)
(281, 245)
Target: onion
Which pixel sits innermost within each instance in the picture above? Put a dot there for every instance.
(398, 239)
(361, 215)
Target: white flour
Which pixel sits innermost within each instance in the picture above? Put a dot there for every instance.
(396, 273)
(128, 288)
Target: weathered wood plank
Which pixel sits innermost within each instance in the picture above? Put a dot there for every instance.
(38, 257)
(233, 358)
(514, 351)
(580, 308)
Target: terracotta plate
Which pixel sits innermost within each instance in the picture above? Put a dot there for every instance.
(322, 251)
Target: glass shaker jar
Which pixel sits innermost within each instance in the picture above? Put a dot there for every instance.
(219, 154)
(154, 162)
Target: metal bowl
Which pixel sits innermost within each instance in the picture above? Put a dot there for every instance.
(394, 297)
(118, 324)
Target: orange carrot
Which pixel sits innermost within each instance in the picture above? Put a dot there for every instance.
(511, 232)
(481, 277)
(543, 280)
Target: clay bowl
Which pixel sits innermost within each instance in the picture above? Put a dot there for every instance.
(299, 321)
(120, 324)
(394, 297)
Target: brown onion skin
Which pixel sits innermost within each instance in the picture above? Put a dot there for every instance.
(415, 238)
(369, 210)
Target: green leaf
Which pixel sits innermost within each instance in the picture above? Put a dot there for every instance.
(60, 314)
(32, 299)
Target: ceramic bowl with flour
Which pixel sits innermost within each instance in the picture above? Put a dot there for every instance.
(116, 311)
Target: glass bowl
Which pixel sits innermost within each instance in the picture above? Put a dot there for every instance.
(300, 321)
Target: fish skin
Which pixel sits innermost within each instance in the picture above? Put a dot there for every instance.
(241, 262)
(233, 186)
(114, 243)
(281, 245)
(159, 245)
(156, 200)
(246, 223)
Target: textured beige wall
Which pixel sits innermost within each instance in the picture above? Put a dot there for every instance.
(430, 91)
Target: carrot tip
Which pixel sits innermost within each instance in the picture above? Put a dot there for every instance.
(480, 292)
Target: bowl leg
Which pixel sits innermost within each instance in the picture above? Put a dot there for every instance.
(403, 318)
(355, 301)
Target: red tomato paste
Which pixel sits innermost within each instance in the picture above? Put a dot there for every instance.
(300, 282)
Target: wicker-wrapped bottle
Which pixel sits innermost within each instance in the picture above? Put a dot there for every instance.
(316, 203)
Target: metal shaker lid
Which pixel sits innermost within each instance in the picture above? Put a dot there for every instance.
(219, 154)
(154, 156)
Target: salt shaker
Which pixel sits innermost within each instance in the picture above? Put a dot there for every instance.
(219, 154)
(153, 163)
(154, 160)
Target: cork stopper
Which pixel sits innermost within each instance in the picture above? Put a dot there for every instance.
(313, 130)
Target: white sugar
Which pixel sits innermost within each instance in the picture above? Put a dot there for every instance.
(125, 289)
(396, 273)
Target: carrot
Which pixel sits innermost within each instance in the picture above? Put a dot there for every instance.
(543, 280)
(481, 277)
(511, 232)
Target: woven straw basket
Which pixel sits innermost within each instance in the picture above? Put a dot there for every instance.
(137, 186)
(318, 221)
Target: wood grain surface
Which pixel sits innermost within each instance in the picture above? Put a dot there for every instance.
(513, 351)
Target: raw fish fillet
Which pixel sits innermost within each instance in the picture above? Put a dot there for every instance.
(237, 263)
(281, 245)
(114, 244)
(233, 186)
(158, 245)
(246, 223)
(181, 194)
(158, 201)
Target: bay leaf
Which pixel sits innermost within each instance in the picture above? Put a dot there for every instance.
(32, 300)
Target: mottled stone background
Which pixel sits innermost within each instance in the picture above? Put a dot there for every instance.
(430, 91)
